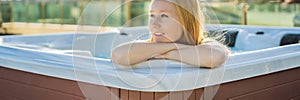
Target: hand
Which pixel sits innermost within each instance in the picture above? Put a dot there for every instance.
(160, 57)
(172, 55)
(169, 55)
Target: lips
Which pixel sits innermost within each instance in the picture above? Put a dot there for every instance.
(158, 34)
(159, 37)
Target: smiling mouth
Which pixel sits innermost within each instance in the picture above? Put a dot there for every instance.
(158, 34)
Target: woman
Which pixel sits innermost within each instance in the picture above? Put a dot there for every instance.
(177, 34)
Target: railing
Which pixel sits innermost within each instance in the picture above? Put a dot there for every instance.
(3, 30)
(125, 13)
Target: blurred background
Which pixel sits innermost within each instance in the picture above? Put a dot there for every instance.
(116, 13)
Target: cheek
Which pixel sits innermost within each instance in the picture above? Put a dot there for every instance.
(174, 31)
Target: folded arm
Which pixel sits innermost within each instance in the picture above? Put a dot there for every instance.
(209, 55)
(136, 52)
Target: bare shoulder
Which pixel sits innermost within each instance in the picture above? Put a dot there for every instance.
(209, 41)
(214, 44)
(135, 42)
(142, 41)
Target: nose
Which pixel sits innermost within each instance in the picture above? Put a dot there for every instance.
(155, 23)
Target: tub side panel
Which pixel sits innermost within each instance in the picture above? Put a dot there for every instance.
(29, 86)
(176, 95)
(189, 95)
(147, 95)
(134, 95)
(16, 90)
(16, 84)
(255, 84)
(296, 98)
(115, 93)
(124, 94)
(60, 85)
(161, 96)
(198, 94)
(281, 92)
(95, 92)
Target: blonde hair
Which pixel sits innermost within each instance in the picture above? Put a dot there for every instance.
(191, 18)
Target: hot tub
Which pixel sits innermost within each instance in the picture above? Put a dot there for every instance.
(264, 64)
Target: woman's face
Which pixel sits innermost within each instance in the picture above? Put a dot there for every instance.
(164, 22)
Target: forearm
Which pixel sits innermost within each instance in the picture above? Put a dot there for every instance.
(136, 52)
(201, 56)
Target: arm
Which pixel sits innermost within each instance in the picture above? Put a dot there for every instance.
(136, 52)
(210, 55)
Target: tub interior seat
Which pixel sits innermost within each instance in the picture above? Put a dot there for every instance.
(290, 39)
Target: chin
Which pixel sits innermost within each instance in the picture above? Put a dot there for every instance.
(162, 40)
(157, 41)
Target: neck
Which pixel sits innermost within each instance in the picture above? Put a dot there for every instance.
(185, 38)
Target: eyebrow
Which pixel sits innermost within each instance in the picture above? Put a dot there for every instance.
(151, 11)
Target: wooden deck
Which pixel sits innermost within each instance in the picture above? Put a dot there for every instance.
(19, 85)
(39, 28)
